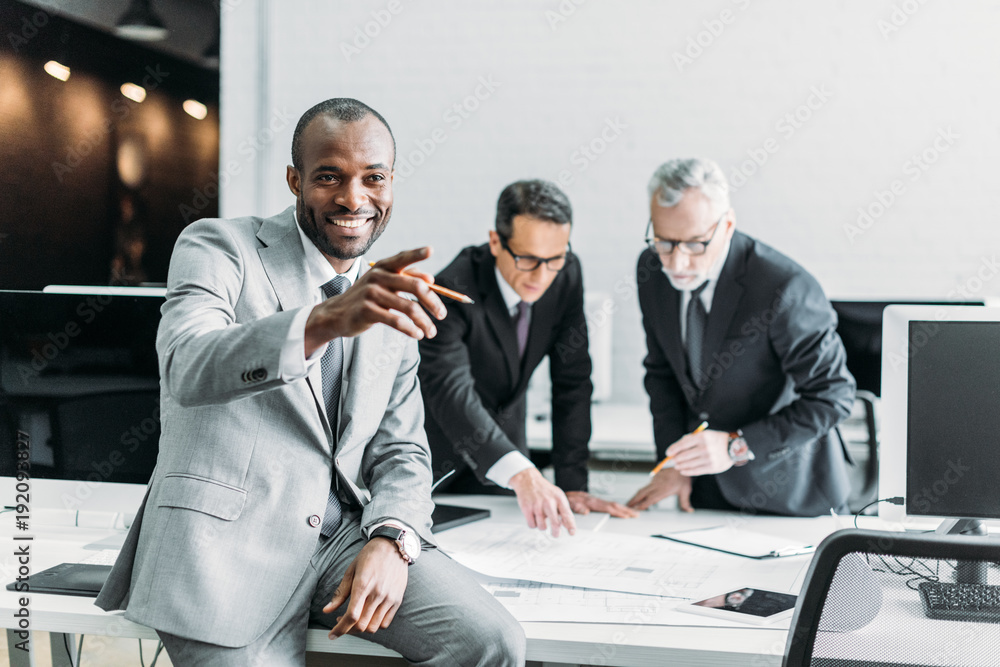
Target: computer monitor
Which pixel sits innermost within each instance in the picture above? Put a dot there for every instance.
(859, 325)
(79, 382)
(941, 415)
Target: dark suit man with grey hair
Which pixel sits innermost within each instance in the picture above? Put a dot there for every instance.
(743, 338)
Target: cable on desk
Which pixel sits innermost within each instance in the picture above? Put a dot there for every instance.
(895, 500)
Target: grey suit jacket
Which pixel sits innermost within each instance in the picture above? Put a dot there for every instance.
(777, 370)
(245, 459)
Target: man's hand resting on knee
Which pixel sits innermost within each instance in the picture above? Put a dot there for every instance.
(374, 583)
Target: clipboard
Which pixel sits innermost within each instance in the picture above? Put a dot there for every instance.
(738, 542)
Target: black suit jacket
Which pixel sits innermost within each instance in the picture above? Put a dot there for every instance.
(776, 368)
(474, 384)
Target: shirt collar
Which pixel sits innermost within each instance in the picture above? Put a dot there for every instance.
(319, 267)
(510, 297)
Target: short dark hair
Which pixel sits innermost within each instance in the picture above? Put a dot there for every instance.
(537, 198)
(344, 109)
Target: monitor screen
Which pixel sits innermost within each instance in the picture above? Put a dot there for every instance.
(79, 380)
(953, 419)
(940, 412)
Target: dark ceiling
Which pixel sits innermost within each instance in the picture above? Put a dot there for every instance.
(192, 23)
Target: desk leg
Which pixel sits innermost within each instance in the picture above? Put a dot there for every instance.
(19, 658)
(61, 655)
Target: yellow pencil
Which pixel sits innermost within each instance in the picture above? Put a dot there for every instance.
(443, 291)
(659, 466)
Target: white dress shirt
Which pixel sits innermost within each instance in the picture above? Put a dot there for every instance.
(707, 294)
(514, 462)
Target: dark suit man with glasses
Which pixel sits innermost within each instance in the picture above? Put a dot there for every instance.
(742, 339)
(528, 292)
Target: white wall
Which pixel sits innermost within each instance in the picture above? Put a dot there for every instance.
(886, 78)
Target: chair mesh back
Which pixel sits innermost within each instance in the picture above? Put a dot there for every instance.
(874, 615)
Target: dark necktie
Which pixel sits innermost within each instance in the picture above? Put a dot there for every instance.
(521, 324)
(696, 319)
(332, 365)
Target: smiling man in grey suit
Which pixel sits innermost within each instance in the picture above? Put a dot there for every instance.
(293, 479)
(741, 337)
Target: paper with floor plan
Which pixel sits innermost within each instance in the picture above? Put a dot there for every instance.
(533, 602)
(612, 562)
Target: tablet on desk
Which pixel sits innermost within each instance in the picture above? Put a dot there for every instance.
(449, 516)
(80, 579)
(745, 605)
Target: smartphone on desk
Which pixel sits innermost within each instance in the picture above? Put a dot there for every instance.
(745, 605)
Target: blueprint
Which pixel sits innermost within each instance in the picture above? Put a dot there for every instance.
(612, 562)
(531, 601)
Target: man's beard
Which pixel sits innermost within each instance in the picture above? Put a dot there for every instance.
(353, 247)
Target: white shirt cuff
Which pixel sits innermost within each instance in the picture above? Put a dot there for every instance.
(292, 364)
(509, 465)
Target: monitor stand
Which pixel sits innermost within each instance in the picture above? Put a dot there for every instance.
(966, 572)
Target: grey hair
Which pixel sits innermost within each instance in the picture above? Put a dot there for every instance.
(673, 177)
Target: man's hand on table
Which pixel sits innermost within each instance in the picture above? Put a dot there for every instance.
(582, 502)
(668, 482)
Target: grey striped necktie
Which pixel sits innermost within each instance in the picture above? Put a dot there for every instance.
(332, 365)
(697, 317)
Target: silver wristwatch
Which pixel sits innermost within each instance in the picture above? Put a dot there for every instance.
(408, 545)
(739, 450)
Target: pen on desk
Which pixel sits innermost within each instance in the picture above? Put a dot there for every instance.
(443, 291)
(659, 466)
(443, 477)
(600, 524)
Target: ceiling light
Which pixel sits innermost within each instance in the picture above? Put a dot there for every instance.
(58, 70)
(195, 109)
(133, 92)
(139, 22)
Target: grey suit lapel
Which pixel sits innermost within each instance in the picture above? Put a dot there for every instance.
(284, 262)
(368, 351)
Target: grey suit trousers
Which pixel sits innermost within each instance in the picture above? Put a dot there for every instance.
(446, 618)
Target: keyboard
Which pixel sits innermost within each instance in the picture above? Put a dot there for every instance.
(961, 602)
(102, 557)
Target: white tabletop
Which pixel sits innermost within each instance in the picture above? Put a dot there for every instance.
(573, 643)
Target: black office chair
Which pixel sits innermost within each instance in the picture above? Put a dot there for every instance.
(870, 599)
(869, 489)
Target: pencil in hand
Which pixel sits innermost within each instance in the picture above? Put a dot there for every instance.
(443, 291)
(659, 466)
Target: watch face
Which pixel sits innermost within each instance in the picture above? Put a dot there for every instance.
(738, 447)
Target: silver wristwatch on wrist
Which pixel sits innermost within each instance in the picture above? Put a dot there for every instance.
(739, 451)
(407, 543)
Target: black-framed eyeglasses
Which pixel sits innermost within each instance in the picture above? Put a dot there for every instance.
(663, 247)
(530, 263)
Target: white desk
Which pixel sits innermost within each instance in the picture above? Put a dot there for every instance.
(560, 643)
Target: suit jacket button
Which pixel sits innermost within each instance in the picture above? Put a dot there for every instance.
(314, 520)
(703, 416)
